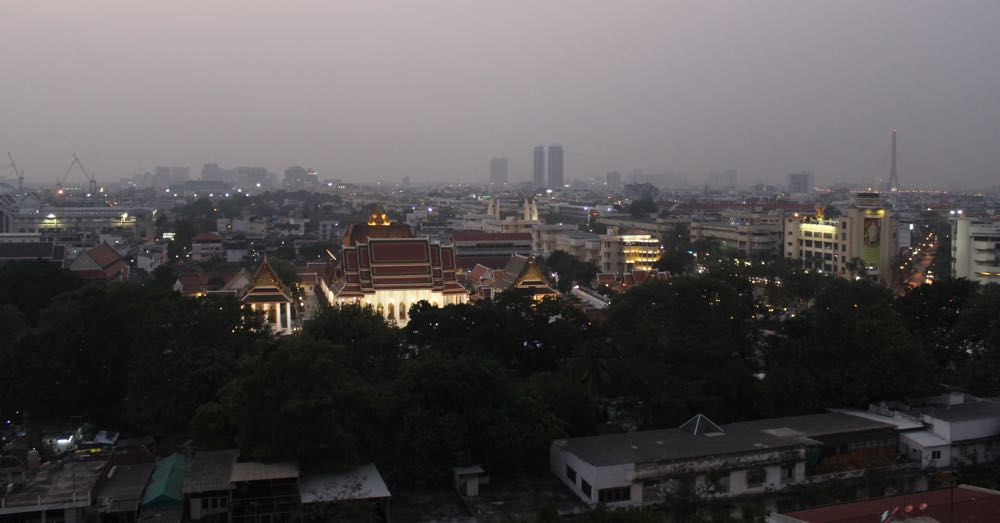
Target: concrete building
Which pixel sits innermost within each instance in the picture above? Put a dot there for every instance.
(555, 167)
(755, 458)
(538, 167)
(860, 244)
(300, 179)
(490, 249)
(613, 180)
(752, 234)
(207, 246)
(975, 249)
(949, 431)
(137, 223)
(498, 172)
(628, 251)
(646, 468)
(801, 183)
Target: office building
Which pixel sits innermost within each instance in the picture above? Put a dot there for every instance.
(860, 244)
(975, 249)
(613, 180)
(800, 183)
(498, 172)
(538, 167)
(555, 177)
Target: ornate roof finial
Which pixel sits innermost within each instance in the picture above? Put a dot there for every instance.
(379, 217)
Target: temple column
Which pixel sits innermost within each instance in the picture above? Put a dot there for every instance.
(288, 312)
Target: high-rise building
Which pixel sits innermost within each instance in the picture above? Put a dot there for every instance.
(613, 180)
(538, 163)
(498, 171)
(723, 180)
(555, 167)
(800, 183)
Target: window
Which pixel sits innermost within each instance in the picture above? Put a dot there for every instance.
(204, 503)
(585, 488)
(936, 454)
(570, 473)
(223, 502)
(828, 235)
(788, 472)
(215, 502)
(756, 477)
(612, 495)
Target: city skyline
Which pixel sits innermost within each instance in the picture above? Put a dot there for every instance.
(781, 87)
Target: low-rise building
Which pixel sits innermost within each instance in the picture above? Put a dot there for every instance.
(700, 458)
(207, 246)
(752, 234)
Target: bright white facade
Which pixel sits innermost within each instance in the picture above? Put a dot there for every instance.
(975, 249)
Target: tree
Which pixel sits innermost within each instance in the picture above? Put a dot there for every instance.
(371, 341)
(30, 286)
(137, 357)
(456, 410)
(684, 346)
(295, 399)
(571, 271)
(642, 207)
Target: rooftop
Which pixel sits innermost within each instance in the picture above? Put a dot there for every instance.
(362, 482)
(254, 471)
(651, 446)
(210, 471)
(961, 503)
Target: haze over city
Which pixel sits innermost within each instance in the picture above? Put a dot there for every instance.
(376, 90)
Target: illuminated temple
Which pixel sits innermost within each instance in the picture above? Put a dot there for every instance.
(385, 266)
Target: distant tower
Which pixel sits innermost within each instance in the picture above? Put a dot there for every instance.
(498, 171)
(893, 175)
(539, 166)
(555, 167)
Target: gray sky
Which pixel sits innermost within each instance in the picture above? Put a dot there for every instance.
(375, 89)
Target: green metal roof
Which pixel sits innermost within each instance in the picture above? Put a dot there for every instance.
(166, 488)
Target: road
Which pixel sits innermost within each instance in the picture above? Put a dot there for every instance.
(920, 262)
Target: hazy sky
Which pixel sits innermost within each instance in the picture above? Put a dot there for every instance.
(432, 89)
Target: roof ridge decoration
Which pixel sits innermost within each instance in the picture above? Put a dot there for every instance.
(265, 276)
(378, 217)
(699, 424)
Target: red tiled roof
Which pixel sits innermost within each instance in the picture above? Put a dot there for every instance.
(103, 255)
(962, 503)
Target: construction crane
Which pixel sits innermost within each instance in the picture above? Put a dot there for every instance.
(90, 178)
(20, 174)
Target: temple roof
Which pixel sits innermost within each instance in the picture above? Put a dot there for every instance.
(266, 286)
(361, 232)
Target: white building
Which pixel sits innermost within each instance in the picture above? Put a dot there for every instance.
(650, 467)
(975, 249)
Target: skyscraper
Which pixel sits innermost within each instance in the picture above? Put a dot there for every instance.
(893, 175)
(555, 166)
(800, 183)
(498, 171)
(539, 167)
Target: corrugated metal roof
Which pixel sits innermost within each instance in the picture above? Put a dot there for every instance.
(210, 471)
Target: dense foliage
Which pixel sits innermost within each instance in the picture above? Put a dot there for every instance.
(489, 382)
